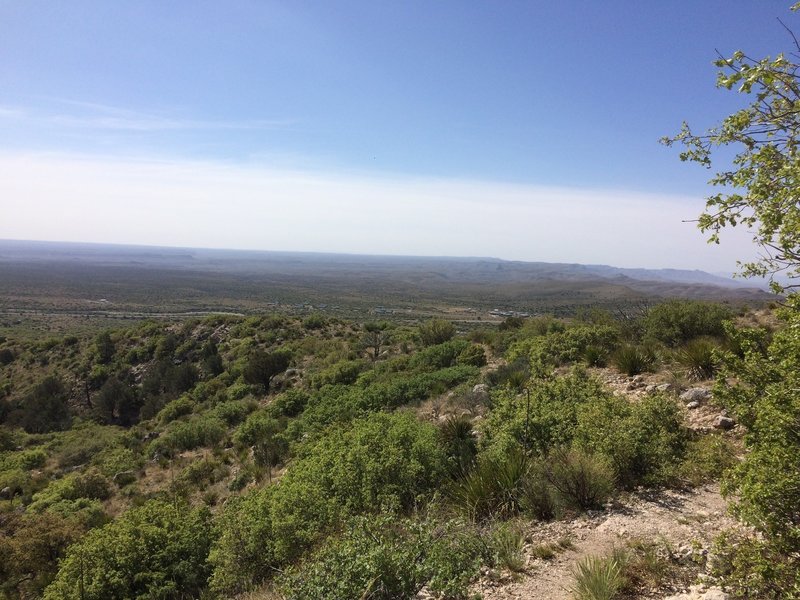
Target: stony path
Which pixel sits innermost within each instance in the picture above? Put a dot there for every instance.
(676, 518)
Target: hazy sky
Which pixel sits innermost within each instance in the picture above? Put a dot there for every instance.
(520, 130)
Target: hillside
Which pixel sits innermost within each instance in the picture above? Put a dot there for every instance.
(285, 457)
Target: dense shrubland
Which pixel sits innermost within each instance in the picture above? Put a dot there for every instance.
(328, 459)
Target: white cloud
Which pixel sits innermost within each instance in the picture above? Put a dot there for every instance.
(206, 204)
(92, 116)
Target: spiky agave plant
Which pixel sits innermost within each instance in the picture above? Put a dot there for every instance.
(700, 359)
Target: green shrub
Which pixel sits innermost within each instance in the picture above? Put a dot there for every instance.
(155, 551)
(472, 355)
(344, 372)
(515, 374)
(755, 568)
(315, 321)
(643, 441)
(459, 443)
(92, 485)
(176, 409)
(549, 419)
(439, 356)
(233, 412)
(383, 462)
(205, 431)
(436, 331)
(45, 408)
(707, 458)
(6, 356)
(386, 559)
(289, 403)
(118, 464)
(582, 481)
(32, 459)
(678, 321)
(204, 472)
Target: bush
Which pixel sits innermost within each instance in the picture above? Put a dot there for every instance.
(6, 356)
(187, 435)
(472, 355)
(383, 462)
(315, 321)
(436, 331)
(174, 410)
(549, 419)
(582, 481)
(32, 459)
(117, 403)
(643, 442)
(755, 568)
(439, 356)
(163, 545)
(515, 374)
(707, 459)
(459, 443)
(262, 367)
(386, 559)
(233, 412)
(678, 321)
(289, 403)
(91, 485)
(344, 372)
(45, 408)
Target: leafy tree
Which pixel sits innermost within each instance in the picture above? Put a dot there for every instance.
(155, 551)
(212, 361)
(761, 192)
(262, 367)
(6, 356)
(104, 348)
(30, 547)
(116, 403)
(760, 185)
(374, 338)
(45, 408)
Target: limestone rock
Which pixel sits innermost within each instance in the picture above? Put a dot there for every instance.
(723, 422)
(696, 394)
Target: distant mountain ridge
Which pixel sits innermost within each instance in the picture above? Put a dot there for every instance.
(191, 277)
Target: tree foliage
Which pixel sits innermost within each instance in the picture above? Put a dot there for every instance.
(761, 185)
(262, 367)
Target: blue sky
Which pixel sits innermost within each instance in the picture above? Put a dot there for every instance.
(523, 130)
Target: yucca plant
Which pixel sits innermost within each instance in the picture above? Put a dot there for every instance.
(494, 489)
(633, 360)
(599, 578)
(459, 442)
(595, 356)
(699, 358)
(507, 543)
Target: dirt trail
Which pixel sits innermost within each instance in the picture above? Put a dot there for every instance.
(676, 518)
